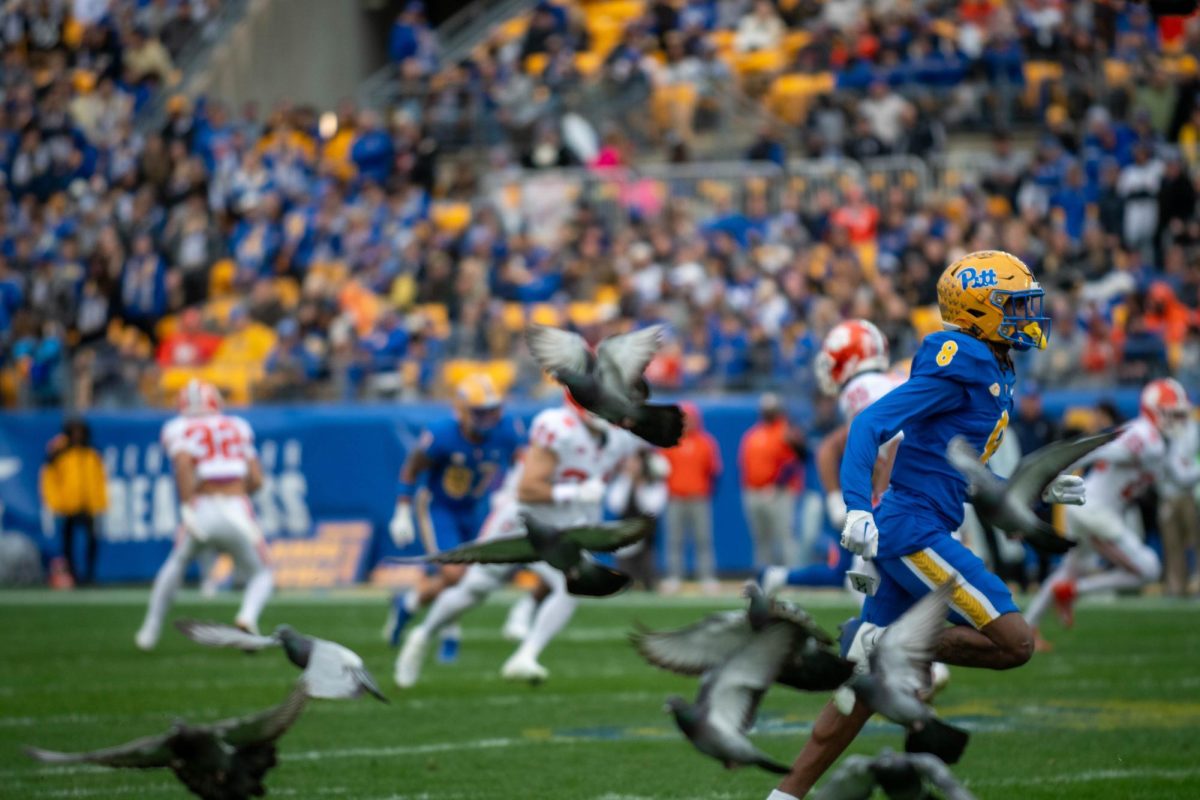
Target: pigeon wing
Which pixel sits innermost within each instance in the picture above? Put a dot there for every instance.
(904, 651)
(731, 692)
(145, 753)
(330, 671)
(623, 359)
(963, 458)
(609, 536)
(265, 726)
(509, 550)
(692, 650)
(936, 773)
(853, 780)
(1036, 470)
(791, 613)
(217, 634)
(556, 349)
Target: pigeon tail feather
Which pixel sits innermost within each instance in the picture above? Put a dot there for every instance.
(938, 738)
(661, 426)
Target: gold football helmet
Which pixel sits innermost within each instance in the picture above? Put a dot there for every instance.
(993, 296)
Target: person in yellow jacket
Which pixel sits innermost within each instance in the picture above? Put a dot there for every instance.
(74, 488)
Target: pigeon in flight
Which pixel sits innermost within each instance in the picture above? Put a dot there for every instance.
(901, 776)
(807, 661)
(565, 550)
(609, 382)
(898, 672)
(224, 760)
(1008, 505)
(331, 671)
(725, 709)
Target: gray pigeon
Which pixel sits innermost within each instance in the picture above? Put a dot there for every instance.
(728, 702)
(565, 550)
(901, 776)
(808, 662)
(609, 382)
(331, 671)
(898, 672)
(225, 760)
(1008, 505)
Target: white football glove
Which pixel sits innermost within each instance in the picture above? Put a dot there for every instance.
(402, 527)
(589, 492)
(1066, 490)
(860, 535)
(835, 508)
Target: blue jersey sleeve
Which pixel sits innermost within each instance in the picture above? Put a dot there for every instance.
(920, 396)
(437, 439)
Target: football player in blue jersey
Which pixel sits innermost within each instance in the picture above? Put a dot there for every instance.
(462, 460)
(961, 384)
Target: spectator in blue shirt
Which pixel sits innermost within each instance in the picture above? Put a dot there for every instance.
(1073, 201)
(144, 286)
(373, 153)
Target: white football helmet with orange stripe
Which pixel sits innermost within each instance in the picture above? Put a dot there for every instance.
(199, 398)
(851, 348)
(1165, 403)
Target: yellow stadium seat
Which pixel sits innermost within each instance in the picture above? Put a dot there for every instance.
(450, 217)
(618, 10)
(545, 314)
(439, 316)
(72, 33)
(868, 255)
(759, 61)
(175, 378)
(1182, 66)
(582, 314)
(790, 96)
(925, 320)
(166, 326)
(220, 278)
(1081, 418)
(1038, 73)
(607, 295)
(795, 41)
(673, 102)
(588, 64)
(512, 29)
(945, 28)
(514, 316)
(723, 41)
(288, 292)
(535, 63)
(218, 310)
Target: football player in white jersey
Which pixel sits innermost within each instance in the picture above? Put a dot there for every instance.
(561, 482)
(216, 470)
(853, 365)
(1120, 472)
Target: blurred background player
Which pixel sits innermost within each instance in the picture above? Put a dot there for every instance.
(1120, 473)
(74, 488)
(561, 481)
(695, 467)
(462, 460)
(216, 471)
(853, 365)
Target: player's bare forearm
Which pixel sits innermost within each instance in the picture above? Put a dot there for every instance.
(829, 457)
(254, 476)
(1004, 643)
(416, 463)
(832, 733)
(536, 484)
(185, 478)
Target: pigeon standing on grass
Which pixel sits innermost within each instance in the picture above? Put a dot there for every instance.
(225, 760)
(331, 671)
(1008, 505)
(725, 709)
(898, 662)
(609, 382)
(565, 550)
(807, 662)
(901, 776)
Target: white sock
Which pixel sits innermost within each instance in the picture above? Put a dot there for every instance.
(554, 613)
(1113, 579)
(258, 591)
(778, 795)
(453, 631)
(166, 584)
(411, 601)
(521, 613)
(448, 607)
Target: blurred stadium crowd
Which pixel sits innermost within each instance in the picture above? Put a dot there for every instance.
(295, 254)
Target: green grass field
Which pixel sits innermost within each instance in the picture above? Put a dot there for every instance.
(1113, 713)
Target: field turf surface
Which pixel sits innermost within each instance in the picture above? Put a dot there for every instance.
(1114, 712)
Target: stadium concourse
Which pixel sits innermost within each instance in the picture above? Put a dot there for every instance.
(297, 335)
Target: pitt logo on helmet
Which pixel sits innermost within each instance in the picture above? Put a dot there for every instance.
(973, 279)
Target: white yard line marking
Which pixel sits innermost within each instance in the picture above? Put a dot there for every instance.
(1092, 776)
